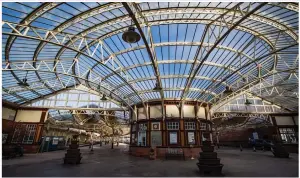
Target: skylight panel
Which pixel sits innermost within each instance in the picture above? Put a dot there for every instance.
(10, 18)
(92, 4)
(18, 6)
(60, 13)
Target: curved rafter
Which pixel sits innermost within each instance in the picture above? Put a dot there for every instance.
(178, 89)
(26, 66)
(176, 61)
(278, 41)
(266, 55)
(168, 77)
(59, 43)
(194, 72)
(178, 10)
(246, 88)
(43, 8)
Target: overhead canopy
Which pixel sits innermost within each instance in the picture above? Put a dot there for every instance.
(193, 50)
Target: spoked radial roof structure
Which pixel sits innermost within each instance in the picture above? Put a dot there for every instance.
(191, 50)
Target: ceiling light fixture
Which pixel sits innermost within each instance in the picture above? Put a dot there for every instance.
(103, 98)
(157, 87)
(227, 90)
(247, 102)
(131, 36)
(24, 81)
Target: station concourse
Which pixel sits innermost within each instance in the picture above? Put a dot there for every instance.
(145, 89)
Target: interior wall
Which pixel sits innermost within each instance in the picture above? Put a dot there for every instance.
(201, 113)
(28, 116)
(172, 111)
(236, 135)
(155, 111)
(188, 111)
(141, 113)
(8, 114)
(284, 120)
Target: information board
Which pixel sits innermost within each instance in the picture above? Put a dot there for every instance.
(173, 137)
(191, 137)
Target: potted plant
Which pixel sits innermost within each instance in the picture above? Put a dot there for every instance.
(152, 154)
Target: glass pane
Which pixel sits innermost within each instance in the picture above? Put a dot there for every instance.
(156, 139)
(173, 137)
(191, 137)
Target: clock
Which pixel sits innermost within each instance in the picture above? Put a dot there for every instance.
(156, 126)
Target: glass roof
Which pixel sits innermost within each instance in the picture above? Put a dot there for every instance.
(193, 50)
(74, 98)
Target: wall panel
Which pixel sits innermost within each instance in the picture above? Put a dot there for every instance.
(284, 120)
(155, 111)
(141, 113)
(28, 116)
(172, 111)
(8, 114)
(201, 113)
(188, 111)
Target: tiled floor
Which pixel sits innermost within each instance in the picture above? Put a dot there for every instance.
(105, 162)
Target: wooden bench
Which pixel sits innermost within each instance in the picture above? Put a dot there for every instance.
(174, 153)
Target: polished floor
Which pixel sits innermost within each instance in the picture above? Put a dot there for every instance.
(105, 162)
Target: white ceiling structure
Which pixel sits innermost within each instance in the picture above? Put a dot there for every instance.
(192, 50)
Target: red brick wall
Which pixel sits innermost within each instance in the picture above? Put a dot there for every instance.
(160, 152)
(139, 151)
(30, 148)
(235, 136)
(188, 152)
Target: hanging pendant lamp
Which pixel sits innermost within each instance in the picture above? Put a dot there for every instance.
(247, 102)
(103, 98)
(228, 90)
(24, 81)
(157, 87)
(131, 36)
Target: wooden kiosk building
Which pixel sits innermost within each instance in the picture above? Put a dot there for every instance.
(181, 128)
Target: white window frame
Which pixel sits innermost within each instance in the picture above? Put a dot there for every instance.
(30, 132)
(190, 125)
(172, 125)
(202, 126)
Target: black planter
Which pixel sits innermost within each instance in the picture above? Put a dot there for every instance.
(209, 163)
(73, 155)
(279, 151)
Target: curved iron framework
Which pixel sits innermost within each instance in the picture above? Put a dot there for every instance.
(191, 50)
